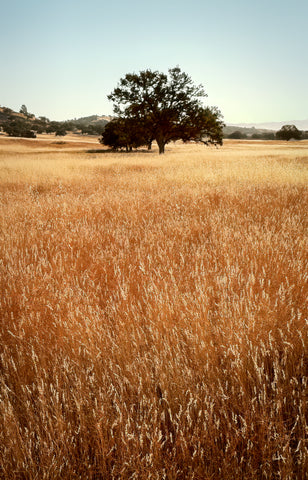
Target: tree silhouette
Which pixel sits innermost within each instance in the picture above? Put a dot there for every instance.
(287, 132)
(168, 107)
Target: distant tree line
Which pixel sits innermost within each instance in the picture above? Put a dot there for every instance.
(238, 135)
(287, 132)
(150, 106)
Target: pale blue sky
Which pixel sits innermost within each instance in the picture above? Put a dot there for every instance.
(62, 58)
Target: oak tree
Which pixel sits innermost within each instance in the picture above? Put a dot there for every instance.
(289, 131)
(169, 107)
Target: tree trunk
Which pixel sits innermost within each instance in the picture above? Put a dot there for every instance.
(161, 148)
(161, 145)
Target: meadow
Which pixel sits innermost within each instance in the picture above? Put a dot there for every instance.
(153, 311)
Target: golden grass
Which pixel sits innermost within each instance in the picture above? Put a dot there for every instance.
(153, 312)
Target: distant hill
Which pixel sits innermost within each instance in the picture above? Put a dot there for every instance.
(18, 124)
(249, 131)
(6, 114)
(93, 119)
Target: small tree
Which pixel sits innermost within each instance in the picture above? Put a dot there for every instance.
(60, 132)
(168, 106)
(287, 132)
(24, 110)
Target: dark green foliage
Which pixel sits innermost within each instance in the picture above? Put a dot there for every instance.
(91, 129)
(60, 131)
(92, 125)
(305, 135)
(23, 110)
(18, 128)
(237, 135)
(248, 132)
(167, 106)
(52, 127)
(263, 136)
(38, 126)
(124, 133)
(44, 119)
(204, 125)
(58, 128)
(289, 131)
(110, 136)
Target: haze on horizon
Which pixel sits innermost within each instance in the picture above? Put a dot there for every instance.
(62, 58)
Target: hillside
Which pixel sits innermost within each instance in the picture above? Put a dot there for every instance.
(6, 114)
(18, 124)
(93, 120)
(246, 131)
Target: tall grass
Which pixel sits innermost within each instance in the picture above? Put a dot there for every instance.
(154, 313)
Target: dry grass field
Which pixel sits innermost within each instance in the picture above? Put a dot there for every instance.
(153, 311)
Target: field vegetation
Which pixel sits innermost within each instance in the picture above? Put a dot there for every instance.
(153, 311)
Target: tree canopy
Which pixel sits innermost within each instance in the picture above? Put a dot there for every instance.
(23, 110)
(167, 107)
(17, 127)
